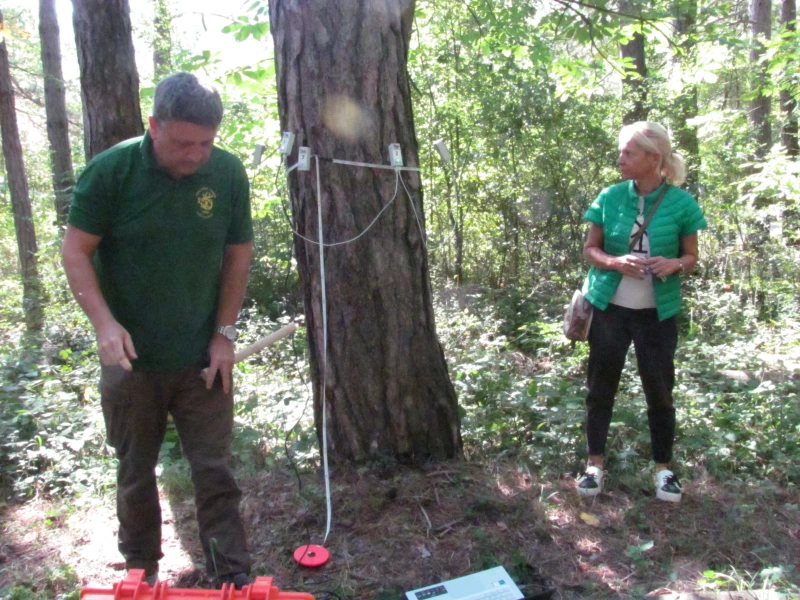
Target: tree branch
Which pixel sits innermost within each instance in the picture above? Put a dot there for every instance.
(566, 4)
(29, 96)
(642, 20)
(475, 18)
(601, 9)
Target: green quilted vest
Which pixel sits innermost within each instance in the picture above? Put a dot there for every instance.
(615, 210)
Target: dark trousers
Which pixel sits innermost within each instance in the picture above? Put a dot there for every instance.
(610, 337)
(135, 408)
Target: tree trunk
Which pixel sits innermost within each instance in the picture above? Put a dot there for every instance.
(788, 103)
(761, 105)
(20, 197)
(388, 391)
(162, 41)
(686, 102)
(635, 80)
(459, 235)
(56, 110)
(109, 81)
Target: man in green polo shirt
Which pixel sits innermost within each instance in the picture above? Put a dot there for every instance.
(157, 252)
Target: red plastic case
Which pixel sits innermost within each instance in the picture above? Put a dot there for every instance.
(133, 587)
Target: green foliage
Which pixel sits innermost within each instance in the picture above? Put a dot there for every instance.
(52, 435)
(520, 170)
(780, 58)
(768, 578)
(772, 192)
(253, 24)
(740, 428)
(243, 30)
(738, 417)
(637, 553)
(58, 584)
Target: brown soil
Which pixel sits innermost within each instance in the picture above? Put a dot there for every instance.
(395, 530)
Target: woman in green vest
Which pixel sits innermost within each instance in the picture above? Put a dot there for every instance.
(634, 287)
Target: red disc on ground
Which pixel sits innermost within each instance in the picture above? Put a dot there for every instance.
(311, 556)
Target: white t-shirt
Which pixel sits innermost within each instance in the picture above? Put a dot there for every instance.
(632, 292)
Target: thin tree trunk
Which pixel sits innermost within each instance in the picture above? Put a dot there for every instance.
(388, 390)
(20, 197)
(56, 110)
(635, 81)
(686, 102)
(459, 235)
(109, 81)
(789, 136)
(162, 41)
(761, 105)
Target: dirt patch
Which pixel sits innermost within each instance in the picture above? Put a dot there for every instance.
(398, 529)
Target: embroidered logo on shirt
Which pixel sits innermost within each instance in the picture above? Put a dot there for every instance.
(205, 202)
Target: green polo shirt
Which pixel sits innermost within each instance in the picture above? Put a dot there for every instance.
(159, 259)
(615, 210)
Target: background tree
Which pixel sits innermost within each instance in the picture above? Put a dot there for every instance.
(343, 89)
(109, 79)
(761, 104)
(162, 40)
(787, 100)
(20, 196)
(56, 109)
(686, 107)
(635, 80)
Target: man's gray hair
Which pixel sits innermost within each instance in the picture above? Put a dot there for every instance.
(184, 97)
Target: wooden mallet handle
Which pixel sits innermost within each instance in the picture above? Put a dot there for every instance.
(259, 345)
(264, 342)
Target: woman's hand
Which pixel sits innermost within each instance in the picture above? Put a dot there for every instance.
(662, 267)
(631, 266)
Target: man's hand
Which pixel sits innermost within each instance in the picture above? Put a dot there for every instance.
(662, 267)
(631, 266)
(114, 343)
(115, 346)
(220, 352)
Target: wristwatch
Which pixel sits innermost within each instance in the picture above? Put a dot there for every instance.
(229, 331)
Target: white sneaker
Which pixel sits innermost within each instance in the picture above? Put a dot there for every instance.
(667, 486)
(591, 482)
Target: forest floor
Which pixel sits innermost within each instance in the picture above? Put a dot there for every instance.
(396, 530)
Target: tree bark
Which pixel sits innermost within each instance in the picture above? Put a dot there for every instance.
(387, 387)
(162, 41)
(635, 80)
(20, 197)
(761, 105)
(789, 136)
(56, 110)
(109, 81)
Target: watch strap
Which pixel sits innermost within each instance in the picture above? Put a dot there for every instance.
(229, 331)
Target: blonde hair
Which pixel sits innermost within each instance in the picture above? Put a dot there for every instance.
(653, 137)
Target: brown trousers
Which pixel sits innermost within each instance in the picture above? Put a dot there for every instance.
(135, 408)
